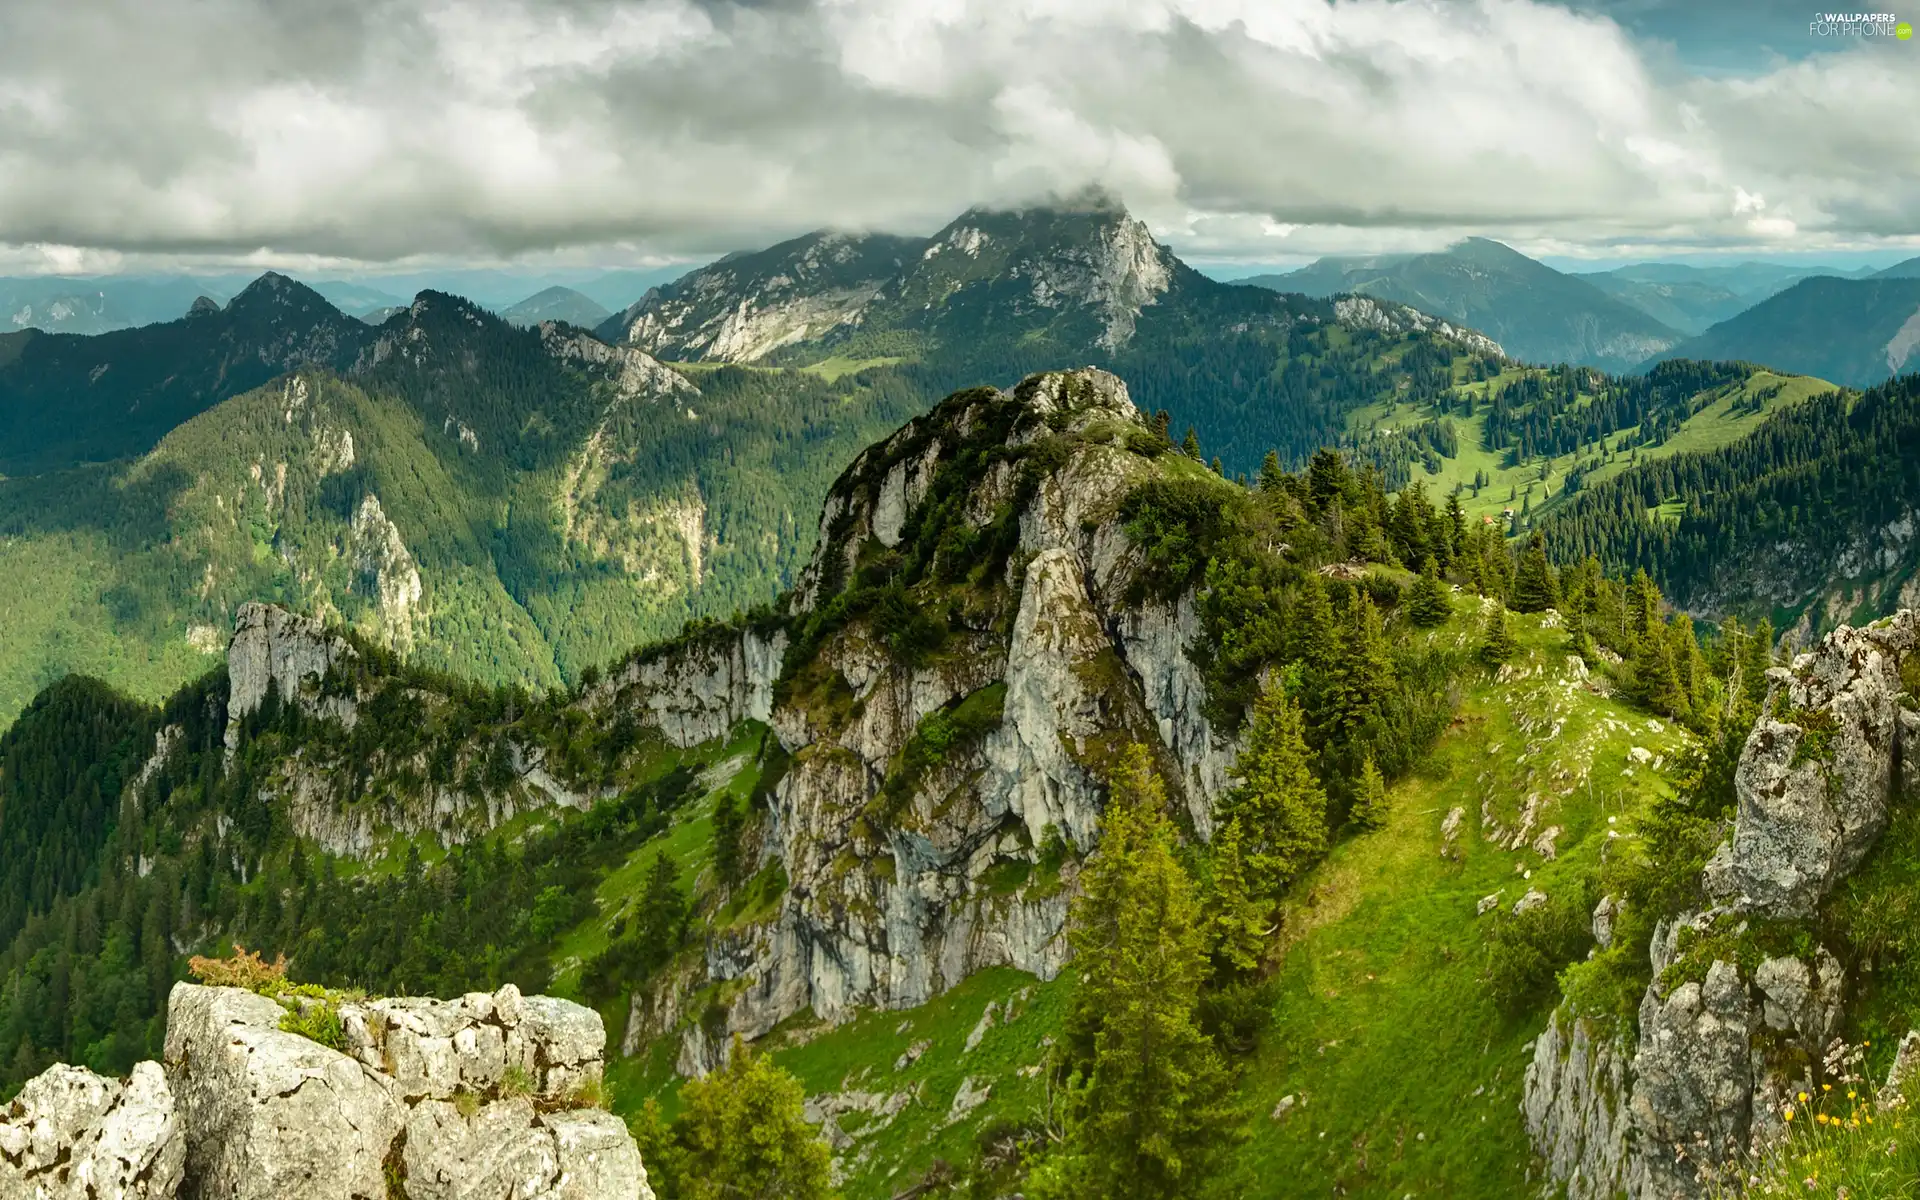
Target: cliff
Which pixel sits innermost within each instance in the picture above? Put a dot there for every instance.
(485, 1096)
(1741, 1015)
(946, 746)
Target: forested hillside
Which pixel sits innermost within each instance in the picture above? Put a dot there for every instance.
(1040, 653)
(1810, 519)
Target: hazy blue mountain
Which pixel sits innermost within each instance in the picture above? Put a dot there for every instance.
(358, 299)
(556, 304)
(1692, 299)
(1856, 332)
(1535, 312)
(1909, 269)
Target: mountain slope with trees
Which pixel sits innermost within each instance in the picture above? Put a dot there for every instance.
(1537, 313)
(1039, 656)
(1857, 332)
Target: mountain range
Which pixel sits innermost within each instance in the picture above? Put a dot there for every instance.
(1536, 313)
(1852, 331)
(519, 504)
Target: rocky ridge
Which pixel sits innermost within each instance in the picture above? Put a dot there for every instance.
(485, 1096)
(909, 871)
(1731, 1027)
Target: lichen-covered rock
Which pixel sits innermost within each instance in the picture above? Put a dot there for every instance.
(508, 1150)
(245, 1109)
(268, 1113)
(436, 1049)
(73, 1134)
(1814, 781)
(1576, 1092)
(1720, 1048)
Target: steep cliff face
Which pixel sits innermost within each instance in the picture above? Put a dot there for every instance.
(349, 794)
(942, 786)
(425, 1099)
(1734, 1023)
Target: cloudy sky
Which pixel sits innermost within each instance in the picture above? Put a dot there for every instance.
(138, 133)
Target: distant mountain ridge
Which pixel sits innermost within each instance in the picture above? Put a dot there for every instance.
(556, 304)
(1857, 332)
(1536, 313)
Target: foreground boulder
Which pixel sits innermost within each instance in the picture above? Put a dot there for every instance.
(71, 1133)
(489, 1096)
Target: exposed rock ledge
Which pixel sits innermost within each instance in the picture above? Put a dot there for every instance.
(1720, 1047)
(475, 1098)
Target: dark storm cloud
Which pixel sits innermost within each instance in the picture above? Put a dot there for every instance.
(373, 130)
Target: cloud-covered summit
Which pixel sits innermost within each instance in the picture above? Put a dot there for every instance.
(378, 129)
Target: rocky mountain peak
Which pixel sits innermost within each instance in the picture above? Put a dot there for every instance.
(277, 293)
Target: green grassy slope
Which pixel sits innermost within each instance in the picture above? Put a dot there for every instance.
(1406, 1078)
(1542, 481)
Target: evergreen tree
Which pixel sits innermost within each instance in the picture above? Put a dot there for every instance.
(1369, 797)
(1362, 673)
(1190, 445)
(1496, 640)
(1148, 1096)
(1279, 806)
(1273, 478)
(1534, 587)
(742, 1132)
(1427, 601)
(1240, 921)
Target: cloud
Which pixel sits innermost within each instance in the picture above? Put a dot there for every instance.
(377, 130)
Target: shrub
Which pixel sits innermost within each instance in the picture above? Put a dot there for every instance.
(1526, 951)
(244, 970)
(317, 1021)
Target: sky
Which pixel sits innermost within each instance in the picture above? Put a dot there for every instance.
(370, 136)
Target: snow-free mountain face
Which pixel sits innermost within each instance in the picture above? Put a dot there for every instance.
(556, 304)
(745, 306)
(1536, 313)
(1856, 332)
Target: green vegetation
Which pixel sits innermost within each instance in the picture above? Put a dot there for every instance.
(740, 1132)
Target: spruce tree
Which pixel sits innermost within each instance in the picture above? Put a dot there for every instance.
(1240, 922)
(1534, 587)
(1148, 1107)
(1279, 806)
(1427, 601)
(1190, 445)
(1272, 477)
(1362, 672)
(1369, 796)
(1496, 640)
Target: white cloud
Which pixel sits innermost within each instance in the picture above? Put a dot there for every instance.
(375, 129)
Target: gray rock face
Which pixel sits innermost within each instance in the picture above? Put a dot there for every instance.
(269, 1113)
(71, 1133)
(1719, 1052)
(895, 897)
(292, 653)
(1575, 1094)
(244, 1109)
(702, 691)
(1813, 796)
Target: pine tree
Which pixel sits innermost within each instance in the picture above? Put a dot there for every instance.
(1190, 445)
(1369, 797)
(1279, 806)
(1427, 601)
(1240, 922)
(728, 824)
(1148, 1096)
(1362, 672)
(1534, 587)
(1496, 641)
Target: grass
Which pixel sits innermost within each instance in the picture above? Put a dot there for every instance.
(1713, 426)
(831, 369)
(1407, 1078)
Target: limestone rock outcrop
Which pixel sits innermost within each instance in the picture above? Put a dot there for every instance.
(904, 881)
(1721, 1046)
(479, 1098)
(71, 1133)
